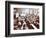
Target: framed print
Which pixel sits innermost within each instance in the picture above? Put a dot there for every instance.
(24, 18)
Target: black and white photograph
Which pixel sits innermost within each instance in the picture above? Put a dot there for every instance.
(26, 18)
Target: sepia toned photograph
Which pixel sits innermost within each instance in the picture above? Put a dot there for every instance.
(26, 18)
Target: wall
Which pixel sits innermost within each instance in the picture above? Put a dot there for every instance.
(2, 19)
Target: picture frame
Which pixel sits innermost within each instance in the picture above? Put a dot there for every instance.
(14, 5)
